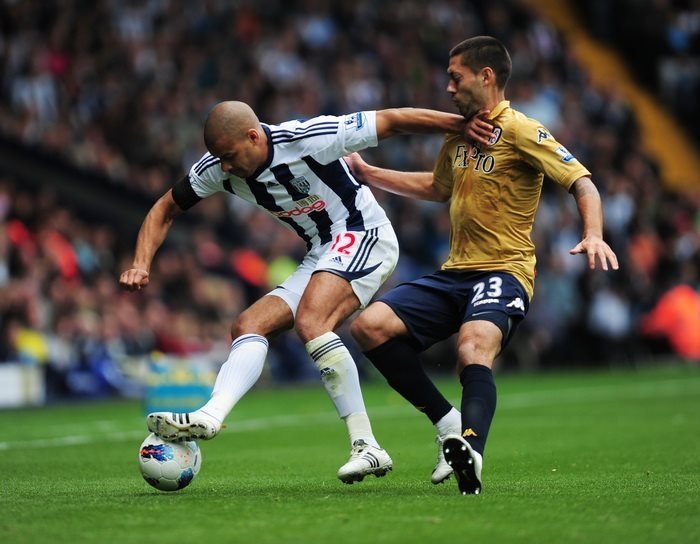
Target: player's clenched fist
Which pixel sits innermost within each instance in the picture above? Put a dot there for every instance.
(134, 279)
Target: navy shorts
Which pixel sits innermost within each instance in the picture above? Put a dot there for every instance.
(435, 306)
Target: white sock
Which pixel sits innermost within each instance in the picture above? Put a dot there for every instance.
(237, 375)
(342, 382)
(359, 428)
(451, 422)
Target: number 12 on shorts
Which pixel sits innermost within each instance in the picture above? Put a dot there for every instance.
(344, 243)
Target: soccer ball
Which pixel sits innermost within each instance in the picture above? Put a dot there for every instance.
(169, 466)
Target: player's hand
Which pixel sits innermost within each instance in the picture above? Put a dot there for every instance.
(134, 279)
(357, 166)
(597, 251)
(478, 130)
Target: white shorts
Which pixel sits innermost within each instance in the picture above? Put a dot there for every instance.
(364, 258)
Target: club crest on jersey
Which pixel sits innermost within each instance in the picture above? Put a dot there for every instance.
(301, 184)
(495, 135)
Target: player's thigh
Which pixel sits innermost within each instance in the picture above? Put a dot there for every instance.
(266, 317)
(495, 304)
(426, 308)
(293, 288)
(365, 259)
(327, 301)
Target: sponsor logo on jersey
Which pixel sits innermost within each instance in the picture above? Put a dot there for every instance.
(303, 207)
(483, 162)
(495, 135)
(301, 184)
(356, 119)
(462, 156)
(517, 303)
(542, 134)
(487, 301)
(564, 153)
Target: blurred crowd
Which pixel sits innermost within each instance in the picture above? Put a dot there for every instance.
(660, 40)
(121, 87)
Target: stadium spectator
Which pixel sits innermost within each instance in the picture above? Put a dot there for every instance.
(676, 318)
(661, 42)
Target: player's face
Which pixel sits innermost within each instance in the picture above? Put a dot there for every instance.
(466, 88)
(240, 156)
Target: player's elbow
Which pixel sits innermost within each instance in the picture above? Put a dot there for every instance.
(441, 197)
(167, 208)
(394, 121)
(584, 186)
(436, 194)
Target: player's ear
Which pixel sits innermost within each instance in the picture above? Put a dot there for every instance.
(487, 75)
(253, 135)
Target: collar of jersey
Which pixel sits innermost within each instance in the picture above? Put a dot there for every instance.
(495, 112)
(270, 154)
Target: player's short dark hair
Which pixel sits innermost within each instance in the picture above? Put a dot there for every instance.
(481, 51)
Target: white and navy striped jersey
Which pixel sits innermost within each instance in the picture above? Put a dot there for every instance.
(304, 183)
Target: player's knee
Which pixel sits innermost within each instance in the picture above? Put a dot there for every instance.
(245, 324)
(304, 331)
(309, 328)
(476, 350)
(367, 330)
(237, 328)
(360, 331)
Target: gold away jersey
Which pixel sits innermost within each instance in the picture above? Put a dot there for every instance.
(495, 192)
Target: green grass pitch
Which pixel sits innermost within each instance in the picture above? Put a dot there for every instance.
(595, 457)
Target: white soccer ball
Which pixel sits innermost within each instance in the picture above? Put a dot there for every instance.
(169, 466)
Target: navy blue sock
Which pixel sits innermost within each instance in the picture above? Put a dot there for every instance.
(399, 364)
(478, 404)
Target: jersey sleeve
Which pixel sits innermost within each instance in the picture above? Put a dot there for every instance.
(354, 132)
(442, 172)
(206, 177)
(540, 149)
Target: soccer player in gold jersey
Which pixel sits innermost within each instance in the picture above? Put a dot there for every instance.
(483, 290)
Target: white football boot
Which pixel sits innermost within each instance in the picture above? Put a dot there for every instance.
(442, 470)
(175, 427)
(364, 459)
(465, 462)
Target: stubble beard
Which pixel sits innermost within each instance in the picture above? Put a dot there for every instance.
(467, 110)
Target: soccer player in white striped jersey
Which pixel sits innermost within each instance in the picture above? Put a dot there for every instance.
(295, 172)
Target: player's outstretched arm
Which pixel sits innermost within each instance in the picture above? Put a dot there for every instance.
(591, 211)
(153, 231)
(412, 184)
(417, 121)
